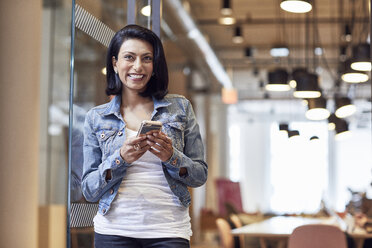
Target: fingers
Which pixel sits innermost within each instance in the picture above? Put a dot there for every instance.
(156, 142)
(160, 145)
(133, 148)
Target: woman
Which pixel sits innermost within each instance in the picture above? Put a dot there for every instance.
(141, 182)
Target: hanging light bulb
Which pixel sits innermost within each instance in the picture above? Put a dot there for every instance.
(347, 33)
(361, 57)
(344, 107)
(317, 109)
(238, 38)
(306, 84)
(226, 8)
(296, 6)
(278, 80)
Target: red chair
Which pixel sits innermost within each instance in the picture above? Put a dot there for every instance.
(317, 236)
(228, 195)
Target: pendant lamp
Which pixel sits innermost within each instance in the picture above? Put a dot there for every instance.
(342, 129)
(306, 84)
(238, 38)
(361, 60)
(296, 6)
(226, 11)
(344, 107)
(226, 7)
(317, 109)
(293, 133)
(332, 119)
(283, 127)
(278, 80)
(350, 75)
(347, 33)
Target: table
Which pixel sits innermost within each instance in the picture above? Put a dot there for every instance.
(281, 227)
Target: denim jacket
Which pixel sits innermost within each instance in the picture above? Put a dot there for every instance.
(104, 133)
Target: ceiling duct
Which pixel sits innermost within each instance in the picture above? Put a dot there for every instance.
(193, 33)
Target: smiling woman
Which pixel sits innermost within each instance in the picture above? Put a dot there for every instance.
(141, 180)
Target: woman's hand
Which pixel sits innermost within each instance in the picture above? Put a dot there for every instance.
(133, 148)
(160, 145)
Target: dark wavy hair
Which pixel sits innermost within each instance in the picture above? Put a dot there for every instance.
(158, 83)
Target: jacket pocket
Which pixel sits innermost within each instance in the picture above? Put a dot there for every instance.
(175, 130)
(105, 137)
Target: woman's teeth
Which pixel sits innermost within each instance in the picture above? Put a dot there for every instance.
(136, 76)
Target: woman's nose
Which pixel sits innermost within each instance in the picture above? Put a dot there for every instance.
(137, 64)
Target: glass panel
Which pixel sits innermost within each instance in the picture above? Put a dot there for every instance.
(95, 24)
(54, 121)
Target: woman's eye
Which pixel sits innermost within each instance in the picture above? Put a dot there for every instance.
(147, 58)
(128, 57)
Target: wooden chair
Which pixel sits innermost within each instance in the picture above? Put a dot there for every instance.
(224, 231)
(317, 236)
(237, 223)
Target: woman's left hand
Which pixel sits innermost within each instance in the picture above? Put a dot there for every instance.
(160, 145)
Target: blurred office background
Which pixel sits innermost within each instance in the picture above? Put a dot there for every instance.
(223, 56)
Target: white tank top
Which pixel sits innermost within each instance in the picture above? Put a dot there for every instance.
(145, 207)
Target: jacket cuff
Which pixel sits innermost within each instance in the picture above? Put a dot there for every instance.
(116, 162)
(175, 160)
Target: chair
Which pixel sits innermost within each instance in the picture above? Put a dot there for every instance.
(317, 236)
(237, 223)
(224, 231)
(229, 196)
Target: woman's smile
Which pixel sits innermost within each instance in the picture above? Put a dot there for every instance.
(136, 77)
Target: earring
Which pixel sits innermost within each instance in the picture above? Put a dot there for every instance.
(116, 72)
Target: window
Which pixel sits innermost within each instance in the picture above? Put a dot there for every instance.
(298, 168)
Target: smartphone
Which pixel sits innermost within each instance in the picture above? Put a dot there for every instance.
(147, 126)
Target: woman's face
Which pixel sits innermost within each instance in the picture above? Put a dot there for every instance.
(135, 64)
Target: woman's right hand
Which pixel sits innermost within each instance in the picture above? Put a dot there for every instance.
(133, 148)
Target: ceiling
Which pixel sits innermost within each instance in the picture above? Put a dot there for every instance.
(265, 25)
